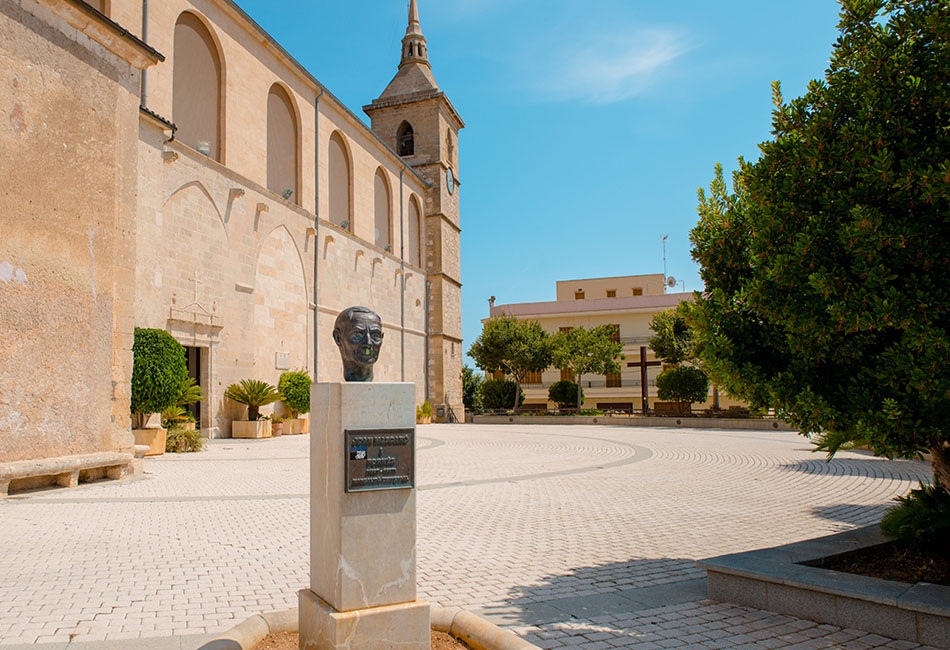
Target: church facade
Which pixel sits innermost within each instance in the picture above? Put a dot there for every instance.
(170, 166)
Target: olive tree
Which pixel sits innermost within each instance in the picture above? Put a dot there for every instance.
(827, 266)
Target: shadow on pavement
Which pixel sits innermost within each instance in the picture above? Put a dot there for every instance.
(606, 589)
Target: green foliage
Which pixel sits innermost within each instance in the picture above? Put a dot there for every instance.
(190, 393)
(921, 519)
(424, 411)
(671, 340)
(180, 440)
(253, 393)
(587, 351)
(682, 384)
(159, 370)
(294, 385)
(564, 394)
(826, 268)
(500, 394)
(516, 347)
(175, 415)
(471, 383)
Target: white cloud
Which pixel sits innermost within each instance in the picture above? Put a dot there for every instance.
(603, 67)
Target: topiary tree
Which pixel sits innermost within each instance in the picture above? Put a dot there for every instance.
(253, 393)
(683, 385)
(500, 394)
(564, 394)
(294, 385)
(827, 269)
(159, 372)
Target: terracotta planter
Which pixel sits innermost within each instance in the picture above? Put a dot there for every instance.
(251, 429)
(154, 439)
(277, 429)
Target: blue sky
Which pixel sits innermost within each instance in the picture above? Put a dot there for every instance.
(589, 124)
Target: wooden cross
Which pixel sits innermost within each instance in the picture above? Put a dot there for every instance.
(644, 382)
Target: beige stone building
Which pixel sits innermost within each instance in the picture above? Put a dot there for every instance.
(169, 165)
(628, 303)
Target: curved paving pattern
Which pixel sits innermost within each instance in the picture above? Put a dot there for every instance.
(577, 536)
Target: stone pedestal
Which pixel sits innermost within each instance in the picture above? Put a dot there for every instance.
(362, 544)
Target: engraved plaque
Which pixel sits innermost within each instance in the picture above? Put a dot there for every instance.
(379, 459)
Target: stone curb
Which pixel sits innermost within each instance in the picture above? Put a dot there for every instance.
(475, 631)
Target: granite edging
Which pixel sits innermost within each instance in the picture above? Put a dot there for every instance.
(775, 579)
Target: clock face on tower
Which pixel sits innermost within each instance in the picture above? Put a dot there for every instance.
(450, 180)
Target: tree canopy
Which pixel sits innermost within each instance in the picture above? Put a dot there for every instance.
(826, 267)
(671, 340)
(516, 347)
(587, 351)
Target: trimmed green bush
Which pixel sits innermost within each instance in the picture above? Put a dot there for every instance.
(253, 393)
(564, 394)
(499, 394)
(294, 385)
(159, 370)
(424, 411)
(683, 385)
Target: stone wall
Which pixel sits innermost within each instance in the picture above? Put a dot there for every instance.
(68, 124)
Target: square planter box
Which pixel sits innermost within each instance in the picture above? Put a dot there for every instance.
(251, 429)
(153, 438)
(297, 425)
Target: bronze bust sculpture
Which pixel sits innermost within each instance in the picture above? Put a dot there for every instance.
(358, 332)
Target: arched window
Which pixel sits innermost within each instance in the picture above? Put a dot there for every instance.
(282, 144)
(384, 235)
(414, 248)
(405, 141)
(339, 183)
(196, 102)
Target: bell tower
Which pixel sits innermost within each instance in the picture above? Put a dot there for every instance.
(415, 118)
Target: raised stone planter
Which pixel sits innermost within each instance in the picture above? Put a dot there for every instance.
(251, 429)
(775, 579)
(154, 439)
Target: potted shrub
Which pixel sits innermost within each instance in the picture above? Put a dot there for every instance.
(159, 371)
(424, 413)
(276, 425)
(177, 415)
(254, 394)
(294, 385)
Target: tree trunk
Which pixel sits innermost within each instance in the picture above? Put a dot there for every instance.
(517, 393)
(941, 464)
(578, 382)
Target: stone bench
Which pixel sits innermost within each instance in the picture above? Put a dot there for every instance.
(65, 470)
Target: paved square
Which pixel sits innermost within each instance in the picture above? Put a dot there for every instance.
(573, 536)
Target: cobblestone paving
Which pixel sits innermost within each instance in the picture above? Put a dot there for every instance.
(512, 520)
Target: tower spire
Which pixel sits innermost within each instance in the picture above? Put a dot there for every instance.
(414, 48)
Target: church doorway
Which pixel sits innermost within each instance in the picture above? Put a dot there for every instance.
(194, 355)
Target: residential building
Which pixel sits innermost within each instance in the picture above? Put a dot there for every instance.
(628, 303)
